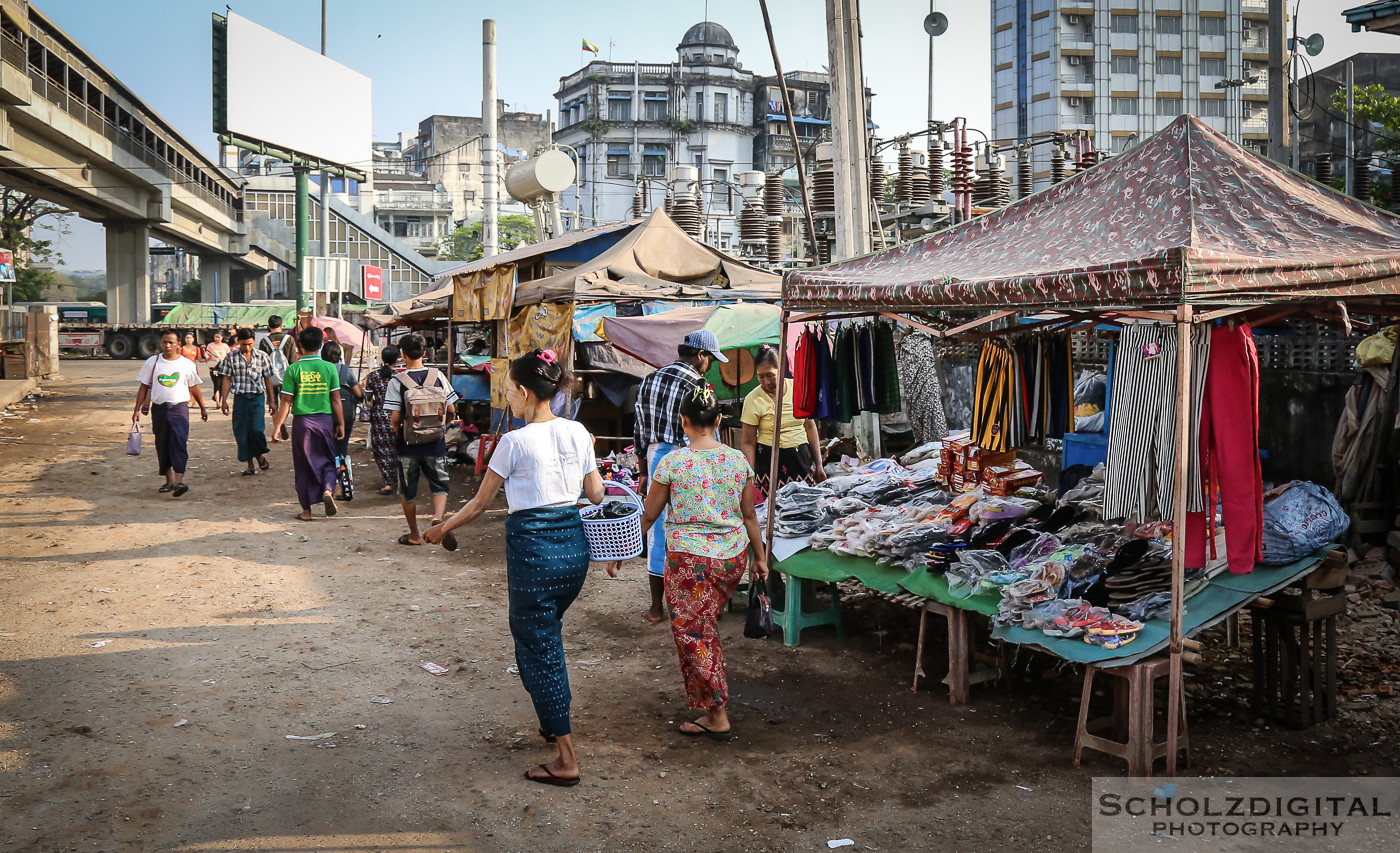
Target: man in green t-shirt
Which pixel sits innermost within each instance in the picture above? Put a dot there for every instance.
(308, 389)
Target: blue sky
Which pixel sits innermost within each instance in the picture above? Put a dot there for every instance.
(425, 55)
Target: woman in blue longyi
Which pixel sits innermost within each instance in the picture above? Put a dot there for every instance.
(543, 467)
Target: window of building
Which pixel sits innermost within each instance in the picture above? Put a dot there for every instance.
(718, 58)
(1125, 64)
(1214, 107)
(1170, 107)
(1212, 26)
(1169, 25)
(775, 94)
(721, 106)
(697, 112)
(1124, 106)
(1120, 144)
(654, 161)
(469, 196)
(1213, 67)
(1125, 24)
(619, 107)
(1169, 65)
(719, 195)
(619, 163)
(656, 106)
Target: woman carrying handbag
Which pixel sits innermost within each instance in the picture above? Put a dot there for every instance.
(710, 528)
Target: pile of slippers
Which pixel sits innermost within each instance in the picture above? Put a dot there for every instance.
(1099, 626)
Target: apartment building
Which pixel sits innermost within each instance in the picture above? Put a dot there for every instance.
(628, 123)
(1120, 70)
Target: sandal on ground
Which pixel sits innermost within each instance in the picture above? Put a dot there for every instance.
(550, 779)
(249, 473)
(328, 501)
(387, 490)
(449, 541)
(548, 738)
(179, 490)
(165, 489)
(712, 735)
(264, 464)
(405, 540)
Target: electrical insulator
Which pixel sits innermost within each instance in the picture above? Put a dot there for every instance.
(773, 203)
(962, 169)
(921, 191)
(823, 251)
(937, 183)
(1057, 164)
(638, 206)
(904, 184)
(1087, 160)
(824, 190)
(877, 180)
(1361, 184)
(1025, 173)
(686, 212)
(1322, 168)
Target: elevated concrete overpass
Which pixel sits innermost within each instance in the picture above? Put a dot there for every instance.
(73, 134)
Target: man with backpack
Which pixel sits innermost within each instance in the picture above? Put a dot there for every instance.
(419, 401)
(280, 349)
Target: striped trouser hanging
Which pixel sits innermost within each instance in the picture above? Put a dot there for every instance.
(1141, 474)
(993, 397)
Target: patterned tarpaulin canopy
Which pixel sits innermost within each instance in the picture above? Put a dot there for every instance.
(1187, 216)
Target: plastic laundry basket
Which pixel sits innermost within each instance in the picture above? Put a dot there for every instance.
(613, 538)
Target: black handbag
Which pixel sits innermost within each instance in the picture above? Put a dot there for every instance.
(759, 624)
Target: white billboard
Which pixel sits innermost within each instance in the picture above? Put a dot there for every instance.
(291, 97)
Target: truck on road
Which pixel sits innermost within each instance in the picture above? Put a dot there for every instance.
(84, 326)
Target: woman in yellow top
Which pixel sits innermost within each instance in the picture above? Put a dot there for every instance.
(799, 448)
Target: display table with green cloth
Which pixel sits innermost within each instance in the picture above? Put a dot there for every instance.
(1225, 595)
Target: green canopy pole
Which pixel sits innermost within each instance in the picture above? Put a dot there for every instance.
(303, 215)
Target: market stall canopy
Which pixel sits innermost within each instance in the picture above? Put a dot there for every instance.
(434, 303)
(1187, 216)
(656, 260)
(654, 338)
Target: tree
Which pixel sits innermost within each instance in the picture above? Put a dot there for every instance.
(1381, 111)
(192, 291)
(19, 212)
(464, 243)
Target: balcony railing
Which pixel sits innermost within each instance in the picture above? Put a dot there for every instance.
(1081, 41)
(13, 52)
(410, 200)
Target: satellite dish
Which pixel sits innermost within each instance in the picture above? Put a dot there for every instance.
(1313, 44)
(936, 24)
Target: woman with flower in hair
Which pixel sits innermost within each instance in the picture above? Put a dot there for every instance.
(710, 527)
(544, 466)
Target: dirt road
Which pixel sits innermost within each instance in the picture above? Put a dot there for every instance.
(156, 653)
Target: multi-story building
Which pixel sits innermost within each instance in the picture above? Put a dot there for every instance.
(1322, 127)
(1120, 70)
(811, 113)
(628, 123)
(447, 152)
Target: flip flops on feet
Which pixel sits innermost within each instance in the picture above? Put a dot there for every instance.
(405, 540)
(180, 489)
(548, 778)
(328, 501)
(709, 733)
(165, 489)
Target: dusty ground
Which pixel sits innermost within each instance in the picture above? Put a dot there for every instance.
(155, 654)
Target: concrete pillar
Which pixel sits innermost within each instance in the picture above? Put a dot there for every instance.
(128, 273)
(215, 278)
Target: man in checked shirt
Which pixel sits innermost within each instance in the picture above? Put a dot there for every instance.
(657, 431)
(245, 377)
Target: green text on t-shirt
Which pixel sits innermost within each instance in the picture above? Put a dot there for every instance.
(310, 382)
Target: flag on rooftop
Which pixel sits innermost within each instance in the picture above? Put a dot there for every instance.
(587, 45)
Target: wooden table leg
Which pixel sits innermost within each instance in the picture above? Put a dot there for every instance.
(958, 654)
(919, 649)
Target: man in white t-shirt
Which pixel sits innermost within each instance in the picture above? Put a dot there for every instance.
(168, 381)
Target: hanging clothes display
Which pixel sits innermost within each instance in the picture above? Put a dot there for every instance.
(923, 391)
(887, 398)
(865, 368)
(1047, 372)
(804, 375)
(846, 402)
(1140, 481)
(1229, 448)
(993, 397)
(825, 379)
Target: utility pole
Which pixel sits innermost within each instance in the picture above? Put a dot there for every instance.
(930, 72)
(490, 238)
(1277, 79)
(326, 176)
(1350, 133)
(851, 165)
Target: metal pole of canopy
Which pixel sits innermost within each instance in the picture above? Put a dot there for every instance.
(777, 432)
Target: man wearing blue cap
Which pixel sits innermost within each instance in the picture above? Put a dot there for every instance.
(657, 431)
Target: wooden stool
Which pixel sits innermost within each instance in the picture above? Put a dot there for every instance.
(792, 618)
(1295, 657)
(1132, 717)
(966, 666)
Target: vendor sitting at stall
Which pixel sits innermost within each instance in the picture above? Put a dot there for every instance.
(799, 447)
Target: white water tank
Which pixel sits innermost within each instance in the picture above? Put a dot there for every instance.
(542, 176)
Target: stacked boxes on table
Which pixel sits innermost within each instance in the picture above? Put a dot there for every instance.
(964, 466)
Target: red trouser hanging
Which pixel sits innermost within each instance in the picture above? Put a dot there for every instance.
(1230, 452)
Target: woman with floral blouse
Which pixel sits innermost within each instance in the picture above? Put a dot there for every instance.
(710, 526)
